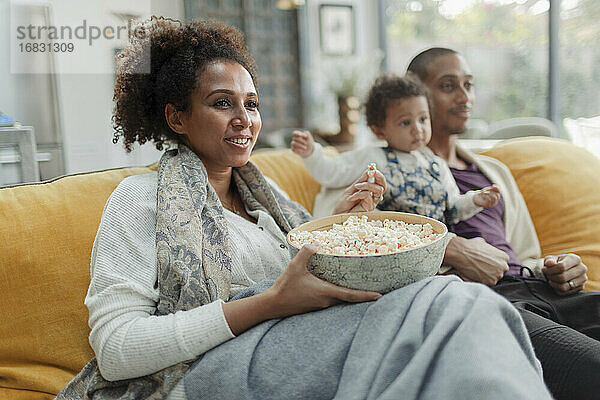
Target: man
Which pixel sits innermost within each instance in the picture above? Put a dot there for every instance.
(499, 246)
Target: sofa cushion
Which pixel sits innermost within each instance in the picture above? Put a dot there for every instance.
(288, 171)
(47, 232)
(561, 186)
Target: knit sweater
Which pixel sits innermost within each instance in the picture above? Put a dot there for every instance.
(127, 338)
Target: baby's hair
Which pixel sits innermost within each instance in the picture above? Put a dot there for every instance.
(385, 90)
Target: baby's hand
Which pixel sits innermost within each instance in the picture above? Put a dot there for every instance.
(302, 143)
(487, 197)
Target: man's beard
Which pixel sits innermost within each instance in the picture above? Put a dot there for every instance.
(457, 130)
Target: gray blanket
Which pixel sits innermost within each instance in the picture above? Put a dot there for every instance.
(428, 340)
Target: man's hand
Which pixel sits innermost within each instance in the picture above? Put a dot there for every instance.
(562, 269)
(487, 197)
(474, 260)
(302, 143)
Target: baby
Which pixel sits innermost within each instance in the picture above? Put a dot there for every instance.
(417, 181)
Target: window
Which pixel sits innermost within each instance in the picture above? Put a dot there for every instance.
(579, 58)
(505, 43)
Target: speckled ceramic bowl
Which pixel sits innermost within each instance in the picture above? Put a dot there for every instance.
(380, 273)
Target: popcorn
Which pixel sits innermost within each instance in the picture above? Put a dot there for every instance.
(358, 236)
(371, 173)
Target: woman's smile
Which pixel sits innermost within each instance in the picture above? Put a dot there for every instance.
(223, 123)
(239, 142)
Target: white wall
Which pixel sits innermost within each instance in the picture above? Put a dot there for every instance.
(86, 103)
(320, 104)
(7, 89)
(85, 99)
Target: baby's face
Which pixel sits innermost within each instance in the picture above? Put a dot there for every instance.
(407, 126)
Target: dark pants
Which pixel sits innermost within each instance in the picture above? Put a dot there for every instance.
(565, 332)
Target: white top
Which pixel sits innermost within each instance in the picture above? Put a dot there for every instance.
(340, 171)
(128, 339)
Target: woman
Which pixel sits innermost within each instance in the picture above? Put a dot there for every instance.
(180, 301)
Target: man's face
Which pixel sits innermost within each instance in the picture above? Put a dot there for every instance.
(450, 83)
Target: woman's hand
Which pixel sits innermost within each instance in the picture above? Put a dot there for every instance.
(361, 195)
(562, 269)
(298, 291)
(475, 260)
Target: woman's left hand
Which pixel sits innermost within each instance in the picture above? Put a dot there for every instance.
(362, 195)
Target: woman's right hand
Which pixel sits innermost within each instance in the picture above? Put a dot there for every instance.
(297, 291)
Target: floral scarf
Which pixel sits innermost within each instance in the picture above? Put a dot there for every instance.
(194, 267)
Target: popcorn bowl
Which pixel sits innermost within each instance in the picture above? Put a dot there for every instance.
(380, 272)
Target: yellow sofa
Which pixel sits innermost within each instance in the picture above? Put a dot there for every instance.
(47, 230)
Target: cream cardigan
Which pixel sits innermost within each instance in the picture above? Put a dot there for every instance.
(520, 232)
(127, 338)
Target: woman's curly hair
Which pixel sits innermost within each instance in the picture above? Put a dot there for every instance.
(161, 65)
(385, 90)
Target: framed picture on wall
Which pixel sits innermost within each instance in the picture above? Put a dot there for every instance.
(337, 30)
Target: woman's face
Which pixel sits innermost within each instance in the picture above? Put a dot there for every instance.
(223, 122)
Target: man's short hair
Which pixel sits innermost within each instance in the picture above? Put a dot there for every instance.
(386, 89)
(419, 63)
